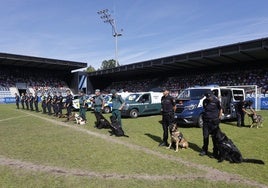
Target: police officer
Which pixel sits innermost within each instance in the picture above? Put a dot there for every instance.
(241, 107)
(54, 103)
(168, 105)
(59, 104)
(36, 102)
(48, 102)
(68, 104)
(118, 103)
(211, 120)
(27, 101)
(22, 100)
(44, 103)
(17, 99)
(98, 106)
(31, 100)
(83, 105)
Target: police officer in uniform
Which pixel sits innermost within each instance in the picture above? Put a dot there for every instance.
(31, 100)
(83, 105)
(59, 104)
(36, 102)
(54, 103)
(211, 120)
(49, 101)
(168, 105)
(68, 104)
(22, 100)
(241, 107)
(44, 103)
(98, 106)
(27, 101)
(17, 99)
(118, 103)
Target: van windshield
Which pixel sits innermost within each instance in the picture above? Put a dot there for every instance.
(132, 97)
(192, 94)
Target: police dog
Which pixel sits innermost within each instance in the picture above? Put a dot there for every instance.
(229, 152)
(79, 120)
(177, 137)
(257, 120)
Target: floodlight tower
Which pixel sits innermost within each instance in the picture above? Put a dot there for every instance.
(106, 17)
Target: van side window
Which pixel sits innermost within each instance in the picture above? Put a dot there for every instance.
(145, 98)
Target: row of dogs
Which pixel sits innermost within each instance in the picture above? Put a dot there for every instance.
(227, 149)
(116, 129)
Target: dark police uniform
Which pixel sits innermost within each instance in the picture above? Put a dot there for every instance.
(240, 113)
(59, 104)
(22, 99)
(49, 100)
(168, 103)
(36, 102)
(31, 100)
(54, 104)
(44, 103)
(27, 101)
(17, 98)
(211, 121)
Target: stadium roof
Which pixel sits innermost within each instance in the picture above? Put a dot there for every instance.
(230, 55)
(44, 63)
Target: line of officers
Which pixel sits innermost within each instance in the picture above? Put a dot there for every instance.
(51, 104)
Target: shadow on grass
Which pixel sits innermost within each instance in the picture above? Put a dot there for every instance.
(153, 137)
(194, 147)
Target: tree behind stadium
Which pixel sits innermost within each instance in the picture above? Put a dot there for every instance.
(108, 64)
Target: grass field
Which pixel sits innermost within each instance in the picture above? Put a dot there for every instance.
(37, 150)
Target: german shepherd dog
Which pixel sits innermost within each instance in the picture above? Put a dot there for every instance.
(257, 120)
(177, 137)
(228, 151)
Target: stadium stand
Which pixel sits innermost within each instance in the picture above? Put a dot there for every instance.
(21, 74)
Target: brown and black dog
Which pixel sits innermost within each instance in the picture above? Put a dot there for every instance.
(257, 120)
(177, 137)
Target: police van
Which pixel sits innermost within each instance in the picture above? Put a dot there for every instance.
(189, 103)
(142, 103)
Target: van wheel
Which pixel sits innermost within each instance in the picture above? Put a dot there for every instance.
(106, 109)
(200, 121)
(133, 113)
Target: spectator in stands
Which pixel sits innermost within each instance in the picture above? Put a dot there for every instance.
(68, 104)
(98, 103)
(17, 99)
(118, 103)
(22, 100)
(83, 105)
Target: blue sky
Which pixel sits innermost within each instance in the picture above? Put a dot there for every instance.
(72, 29)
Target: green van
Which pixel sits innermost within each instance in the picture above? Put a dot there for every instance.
(142, 103)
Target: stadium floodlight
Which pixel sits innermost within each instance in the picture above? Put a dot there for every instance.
(106, 17)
